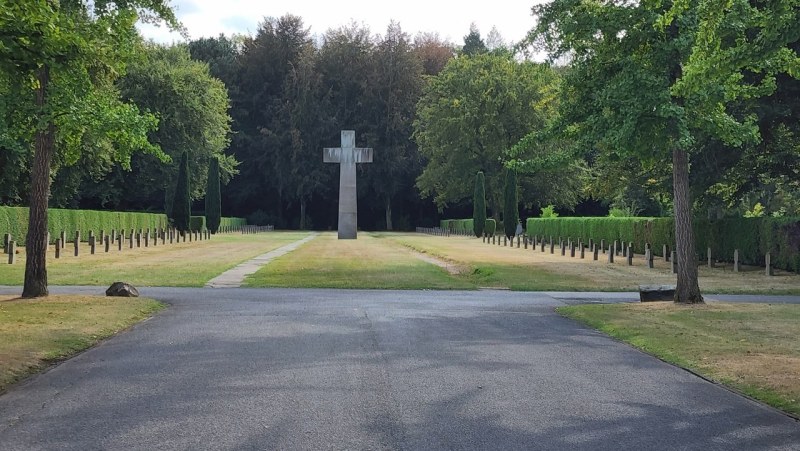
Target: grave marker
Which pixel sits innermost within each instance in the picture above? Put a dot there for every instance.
(348, 155)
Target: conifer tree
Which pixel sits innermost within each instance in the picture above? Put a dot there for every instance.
(510, 213)
(479, 205)
(213, 202)
(181, 204)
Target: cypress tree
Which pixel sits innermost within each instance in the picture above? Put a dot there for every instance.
(213, 202)
(479, 206)
(510, 213)
(181, 206)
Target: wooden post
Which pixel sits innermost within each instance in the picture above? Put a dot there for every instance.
(120, 238)
(138, 239)
(673, 262)
(92, 243)
(768, 263)
(572, 250)
(6, 242)
(525, 241)
(595, 253)
(12, 252)
(710, 259)
(77, 242)
(736, 260)
(583, 251)
(665, 252)
(610, 254)
(147, 238)
(542, 244)
(629, 254)
(130, 239)
(648, 256)
(616, 248)
(563, 248)
(58, 247)
(603, 246)
(552, 245)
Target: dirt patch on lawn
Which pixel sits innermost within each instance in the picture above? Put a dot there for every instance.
(450, 267)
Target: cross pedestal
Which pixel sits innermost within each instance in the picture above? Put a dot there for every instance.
(347, 156)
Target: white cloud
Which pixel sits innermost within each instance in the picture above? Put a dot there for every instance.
(206, 18)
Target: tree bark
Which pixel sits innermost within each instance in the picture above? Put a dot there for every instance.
(35, 284)
(687, 290)
(389, 214)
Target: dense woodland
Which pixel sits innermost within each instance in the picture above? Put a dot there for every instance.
(642, 108)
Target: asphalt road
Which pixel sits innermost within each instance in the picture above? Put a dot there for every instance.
(340, 369)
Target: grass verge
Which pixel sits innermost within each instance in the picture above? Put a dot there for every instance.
(39, 332)
(752, 348)
(368, 262)
(189, 264)
(523, 269)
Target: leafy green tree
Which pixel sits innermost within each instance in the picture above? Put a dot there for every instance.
(617, 95)
(62, 58)
(470, 115)
(181, 202)
(193, 109)
(433, 52)
(393, 88)
(479, 206)
(213, 202)
(510, 204)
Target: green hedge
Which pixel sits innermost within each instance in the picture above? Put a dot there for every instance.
(491, 227)
(14, 220)
(465, 226)
(197, 223)
(232, 222)
(754, 237)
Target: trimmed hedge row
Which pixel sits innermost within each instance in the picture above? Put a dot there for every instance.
(14, 220)
(232, 222)
(754, 237)
(465, 226)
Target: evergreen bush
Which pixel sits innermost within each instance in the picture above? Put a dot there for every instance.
(181, 205)
(510, 212)
(213, 198)
(479, 206)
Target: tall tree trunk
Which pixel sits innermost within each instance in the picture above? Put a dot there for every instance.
(36, 242)
(302, 214)
(687, 289)
(389, 214)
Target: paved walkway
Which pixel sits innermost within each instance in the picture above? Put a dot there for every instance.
(373, 369)
(234, 277)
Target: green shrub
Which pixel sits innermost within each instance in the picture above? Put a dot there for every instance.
(549, 212)
(491, 227)
(197, 223)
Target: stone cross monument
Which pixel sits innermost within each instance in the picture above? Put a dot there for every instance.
(347, 156)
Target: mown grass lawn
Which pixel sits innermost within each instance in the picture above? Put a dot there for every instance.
(35, 333)
(171, 265)
(523, 269)
(752, 348)
(368, 262)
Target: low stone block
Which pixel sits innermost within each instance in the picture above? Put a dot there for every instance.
(122, 289)
(656, 293)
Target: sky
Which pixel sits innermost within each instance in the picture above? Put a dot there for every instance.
(451, 19)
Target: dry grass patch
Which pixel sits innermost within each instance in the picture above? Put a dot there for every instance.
(38, 332)
(368, 262)
(178, 265)
(750, 347)
(529, 269)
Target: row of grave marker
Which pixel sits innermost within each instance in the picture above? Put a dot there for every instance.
(140, 237)
(626, 251)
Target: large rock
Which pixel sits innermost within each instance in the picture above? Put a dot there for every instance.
(655, 293)
(122, 289)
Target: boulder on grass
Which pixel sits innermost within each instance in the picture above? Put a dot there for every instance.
(656, 293)
(122, 289)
